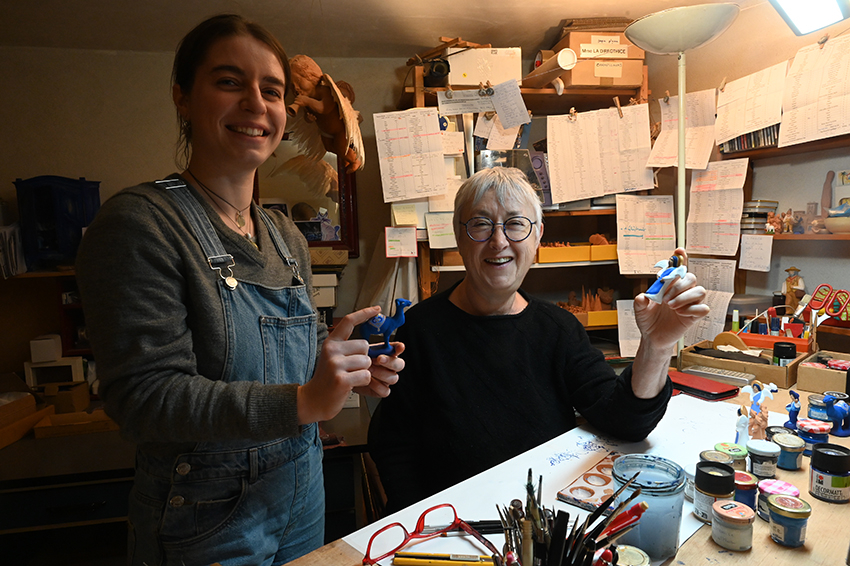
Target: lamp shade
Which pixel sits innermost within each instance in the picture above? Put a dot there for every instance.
(679, 29)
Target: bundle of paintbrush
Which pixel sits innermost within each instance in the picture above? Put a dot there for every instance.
(535, 538)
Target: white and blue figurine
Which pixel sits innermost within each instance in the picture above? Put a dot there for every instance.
(384, 325)
(672, 268)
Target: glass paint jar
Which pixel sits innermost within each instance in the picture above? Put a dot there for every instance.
(715, 456)
(763, 458)
(772, 431)
(662, 485)
(788, 519)
(817, 407)
(732, 525)
(772, 487)
(689, 481)
(631, 556)
(813, 431)
(712, 482)
(746, 488)
(737, 452)
(791, 449)
(829, 473)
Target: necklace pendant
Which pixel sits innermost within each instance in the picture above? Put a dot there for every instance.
(240, 220)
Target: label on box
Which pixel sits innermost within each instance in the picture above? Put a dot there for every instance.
(603, 50)
(611, 69)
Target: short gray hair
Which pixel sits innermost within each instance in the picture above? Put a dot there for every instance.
(507, 184)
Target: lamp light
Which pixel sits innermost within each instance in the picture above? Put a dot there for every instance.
(677, 30)
(806, 16)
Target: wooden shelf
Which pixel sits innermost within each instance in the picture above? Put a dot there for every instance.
(438, 268)
(810, 237)
(592, 212)
(769, 152)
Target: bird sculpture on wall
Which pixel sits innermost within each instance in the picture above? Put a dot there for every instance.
(384, 325)
(322, 120)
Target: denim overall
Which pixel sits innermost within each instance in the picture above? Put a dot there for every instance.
(238, 502)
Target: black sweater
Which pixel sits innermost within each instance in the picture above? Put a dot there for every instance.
(477, 391)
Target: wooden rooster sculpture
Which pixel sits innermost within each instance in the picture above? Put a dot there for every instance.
(385, 326)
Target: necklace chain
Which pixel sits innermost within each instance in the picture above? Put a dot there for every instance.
(238, 220)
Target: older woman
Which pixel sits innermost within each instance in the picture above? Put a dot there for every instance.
(199, 309)
(492, 371)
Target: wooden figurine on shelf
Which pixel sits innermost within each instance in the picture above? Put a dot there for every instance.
(794, 288)
(788, 221)
(774, 224)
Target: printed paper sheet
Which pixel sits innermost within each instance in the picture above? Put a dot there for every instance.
(699, 131)
(750, 103)
(645, 232)
(714, 216)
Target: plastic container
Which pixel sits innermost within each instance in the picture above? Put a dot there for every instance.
(817, 407)
(813, 431)
(784, 353)
(791, 449)
(746, 488)
(829, 473)
(772, 487)
(662, 484)
(763, 458)
(737, 452)
(713, 482)
(788, 519)
(732, 525)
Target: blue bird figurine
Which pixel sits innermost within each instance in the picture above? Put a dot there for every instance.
(384, 325)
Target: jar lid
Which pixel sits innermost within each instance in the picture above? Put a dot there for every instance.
(715, 477)
(839, 395)
(814, 426)
(789, 442)
(789, 506)
(745, 480)
(778, 487)
(762, 447)
(666, 475)
(631, 556)
(831, 458)
(772, 431)
(733, 512)
(715, 456)
(737, 451)
(816, 399)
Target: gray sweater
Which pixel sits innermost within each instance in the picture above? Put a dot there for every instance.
(156, 325)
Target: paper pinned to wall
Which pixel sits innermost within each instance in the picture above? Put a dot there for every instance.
(710, 326)
(628, 334)
(463, 102)
(716, 203)
(755, 252)
(750, 103)
(645, 232)
(714, 274)
(441, 233)
(401, 242)
(509, 104)
(500, 136)
(699, 131)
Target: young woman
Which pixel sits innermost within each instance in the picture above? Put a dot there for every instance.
(198, 307)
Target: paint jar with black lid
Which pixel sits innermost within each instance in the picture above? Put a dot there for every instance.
(783, 353)
(829, 473)
(712, 482)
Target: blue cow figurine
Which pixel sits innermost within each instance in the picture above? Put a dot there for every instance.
(384, 325)
(839, 413)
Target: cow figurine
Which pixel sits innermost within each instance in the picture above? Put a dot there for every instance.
(384, 325)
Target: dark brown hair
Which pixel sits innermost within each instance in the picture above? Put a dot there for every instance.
(193, 49)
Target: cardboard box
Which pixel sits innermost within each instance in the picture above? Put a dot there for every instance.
(602, 318)
(16, 430)
(324, 296)
(328, 256)
(66, 397)
(603, 252)
(74, 423)
(564, 254)
(783, 377)
(325, 280)
(46, 348)
(599, 44)
(470, 67)
(15, 406)
(623, 73)
(818, 380)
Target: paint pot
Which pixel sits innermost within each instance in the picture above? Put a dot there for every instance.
(689, 481)
(788, 519)
(746, 488)
(829, 474)
(662, 485)
(631, 556)
(813, 431)
(732, 525)
(737, 452)
(790, 451)
(712, 482)
(817, 407)
(839, 396)
(772, 431)
(715, 456)
(784, 353)
(772, 487)
(763, 457)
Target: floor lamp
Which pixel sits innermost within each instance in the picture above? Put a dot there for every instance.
(675, 31)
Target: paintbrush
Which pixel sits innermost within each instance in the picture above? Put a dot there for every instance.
(607, 503)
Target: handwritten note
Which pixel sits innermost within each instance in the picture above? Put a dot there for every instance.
(509, 105)
(401, 242)
(627, 329)
(714, 216)
(441, 233)
(699, 131)
(755, 252)
(463, 102)
(645, 232)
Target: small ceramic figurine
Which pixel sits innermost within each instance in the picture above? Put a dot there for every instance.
(794, 288)
(758, 392)
(674, 267)
(774, 224)
(793, 409)
(839, 413)
(741, 436)
(788, 222)
(758, 424)
(385, 326)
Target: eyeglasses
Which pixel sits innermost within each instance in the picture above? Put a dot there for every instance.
(481, 228)
(393, 537)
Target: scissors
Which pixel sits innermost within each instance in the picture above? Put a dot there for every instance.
(833, 302)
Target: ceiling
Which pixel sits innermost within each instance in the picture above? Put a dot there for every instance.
(320, 28)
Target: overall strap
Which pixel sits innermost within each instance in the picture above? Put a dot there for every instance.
(280, 244)
(217, 256)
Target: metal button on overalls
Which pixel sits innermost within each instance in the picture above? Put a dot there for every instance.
(177, 501)
(184, 468)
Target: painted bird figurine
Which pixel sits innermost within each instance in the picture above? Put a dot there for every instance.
(384, 325)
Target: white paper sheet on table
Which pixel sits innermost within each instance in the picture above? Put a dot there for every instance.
(699, 131)
(645, 232)
(750, 103)
(689, 426)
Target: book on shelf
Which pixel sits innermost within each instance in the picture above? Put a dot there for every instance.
(766, 137)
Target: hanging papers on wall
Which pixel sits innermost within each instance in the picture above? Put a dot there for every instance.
(755, 252)
(751, 103)
(441, 233)
(645, 232)
(400, 242)
(410, 153)
(714, 274)
(718, 278)
(717, 199)
(592, 154)
(710, 326)
(699, 131)
(816, 100)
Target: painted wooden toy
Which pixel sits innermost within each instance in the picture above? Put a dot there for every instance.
(673, 267)
(384, 325)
